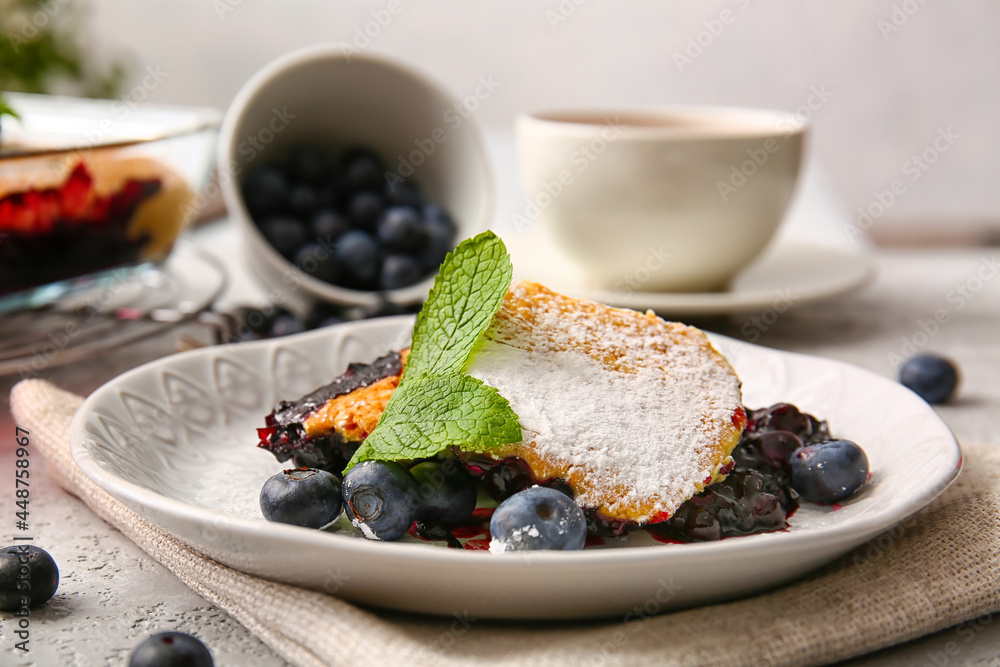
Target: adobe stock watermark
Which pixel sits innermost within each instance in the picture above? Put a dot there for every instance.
(223, 7)
(713, 28)
(32, 22)
(334, 580)
(958, 298)
(759, 324)
(656, 259)
(365, 35)
(900, 15)
(219, 527)
(580, 159)
(914, 168)
(121, 108)
(463, 621)
(604, 651)
(61, 338)
(250, 148)
(967, 632)
(740, 175)
(562, 13)
(453, 118)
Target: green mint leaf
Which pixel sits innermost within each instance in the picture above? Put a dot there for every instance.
(467, 292)
(437, 405)
(429, 413)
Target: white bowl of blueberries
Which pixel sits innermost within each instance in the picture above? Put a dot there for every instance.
(350, 176)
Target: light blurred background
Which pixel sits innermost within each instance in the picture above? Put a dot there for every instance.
(894, 73)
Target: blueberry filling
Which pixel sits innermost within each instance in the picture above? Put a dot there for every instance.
(285, 436)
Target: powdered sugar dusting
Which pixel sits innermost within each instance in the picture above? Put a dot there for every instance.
(364, 528)
(635, 412)
(499, 546)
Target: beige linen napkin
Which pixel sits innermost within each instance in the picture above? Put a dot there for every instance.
(935, 570)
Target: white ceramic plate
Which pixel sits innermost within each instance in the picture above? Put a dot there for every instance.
(791, 273)
(174, 440)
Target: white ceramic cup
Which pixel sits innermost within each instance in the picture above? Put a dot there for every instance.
(666, 199)
(335, 98)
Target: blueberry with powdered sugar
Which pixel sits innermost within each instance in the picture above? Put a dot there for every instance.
(381, 499)
(538, 518)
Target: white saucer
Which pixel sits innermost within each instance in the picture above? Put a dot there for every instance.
(789, 272)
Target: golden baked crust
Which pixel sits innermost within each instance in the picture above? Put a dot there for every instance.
(354, 415)
(632, 352)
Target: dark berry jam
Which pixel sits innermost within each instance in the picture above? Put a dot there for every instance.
(787, 417)
(757, 496)
(286, 438)
(53, 234)
(746, 502)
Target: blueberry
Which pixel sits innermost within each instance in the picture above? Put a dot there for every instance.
(42, 576)
(308, 164)
(381, 498)
(302, 497)
(335, 183)
(357, 254)
(303, 201)
(448, 493)
(538, 518)
(399, 271)
(327, 197)
(400, 228)
(322, 315)
(776, 448)
(328, 225)
(362, 169)
(329, 321)
(930, 377)
(171, 649)
(381, 309)
(436, 216)
(401, 193)
(701, 525)
(285, 324)
(787, 417)
(265, 191)
(255, 323)
(286, 235)
(828, 472)
(315, 260)
(365, 209)
(439, 244)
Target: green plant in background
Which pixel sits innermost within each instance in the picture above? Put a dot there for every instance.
(5, 109)
(41, 51)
